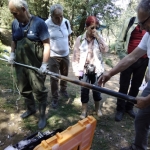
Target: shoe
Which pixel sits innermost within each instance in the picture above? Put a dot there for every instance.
(131, 113)
(84, 111)
(27, 114)
(54, 104)
(42, 118)
(64, 94)
(118, 116)
(97, 108)
(127, 148)
(98, 113)
(83, 115)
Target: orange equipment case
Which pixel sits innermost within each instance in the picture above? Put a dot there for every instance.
(76, 137)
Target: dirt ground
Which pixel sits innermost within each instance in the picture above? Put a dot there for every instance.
(11, 124)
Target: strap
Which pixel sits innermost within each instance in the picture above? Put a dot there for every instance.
(81, 38)
(129, 25)
(67, 25)
(26, 31)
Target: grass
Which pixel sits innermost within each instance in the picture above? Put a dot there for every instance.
(109, 135)
(5, 75)
(3, 47)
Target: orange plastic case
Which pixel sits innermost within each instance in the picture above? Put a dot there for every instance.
(76, 137)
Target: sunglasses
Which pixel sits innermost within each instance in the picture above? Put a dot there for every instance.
(142, 23)
(94, 28)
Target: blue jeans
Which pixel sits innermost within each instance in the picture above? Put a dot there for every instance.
(142, 124)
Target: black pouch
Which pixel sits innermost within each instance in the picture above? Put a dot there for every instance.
(90, 69)
(39, 48)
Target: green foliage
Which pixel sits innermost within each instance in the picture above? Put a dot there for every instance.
(1, 48)
(112, 48)
(5, 75)
(39, 8)
(109, 62)
(121, 54)
(77, 11)
(5, 16)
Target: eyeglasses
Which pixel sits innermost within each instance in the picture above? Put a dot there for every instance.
(142, 23)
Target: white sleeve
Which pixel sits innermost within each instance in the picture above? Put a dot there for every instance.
(46, 21)
(143, 44)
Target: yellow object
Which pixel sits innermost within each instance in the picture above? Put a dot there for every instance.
(76, 137)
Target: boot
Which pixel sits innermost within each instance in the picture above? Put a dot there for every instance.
(42, 120)
(97, 109)
(30, 104)
(84, 111)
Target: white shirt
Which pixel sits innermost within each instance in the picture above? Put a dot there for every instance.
(59, 43)
(145, 45)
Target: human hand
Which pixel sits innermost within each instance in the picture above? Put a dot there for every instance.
(142, 102)
(95, 34)
(11, 58)
(104, 78)
(43, 68)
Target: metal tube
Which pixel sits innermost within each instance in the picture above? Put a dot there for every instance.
(84, 84)
(95, 88)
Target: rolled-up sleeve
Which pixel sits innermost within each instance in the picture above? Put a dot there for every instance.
(76, 55)
(102, 45)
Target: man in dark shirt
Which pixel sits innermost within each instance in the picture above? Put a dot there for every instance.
(30, 46)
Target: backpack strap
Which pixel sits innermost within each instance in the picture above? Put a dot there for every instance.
(129, 25)
(67, 25)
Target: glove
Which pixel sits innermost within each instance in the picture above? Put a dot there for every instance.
(43, 68)
(11, 58)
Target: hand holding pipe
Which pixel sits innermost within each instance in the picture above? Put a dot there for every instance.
(84, 84)
(23, 65)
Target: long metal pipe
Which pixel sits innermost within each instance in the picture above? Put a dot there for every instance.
(84, 84)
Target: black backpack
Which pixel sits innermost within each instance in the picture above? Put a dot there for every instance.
(129, 25)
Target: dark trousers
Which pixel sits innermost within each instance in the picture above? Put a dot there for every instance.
(142, 124)
(85, 92)
(134, 74)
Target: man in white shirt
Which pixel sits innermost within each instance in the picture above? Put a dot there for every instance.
(142, 119)
(59, 30)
